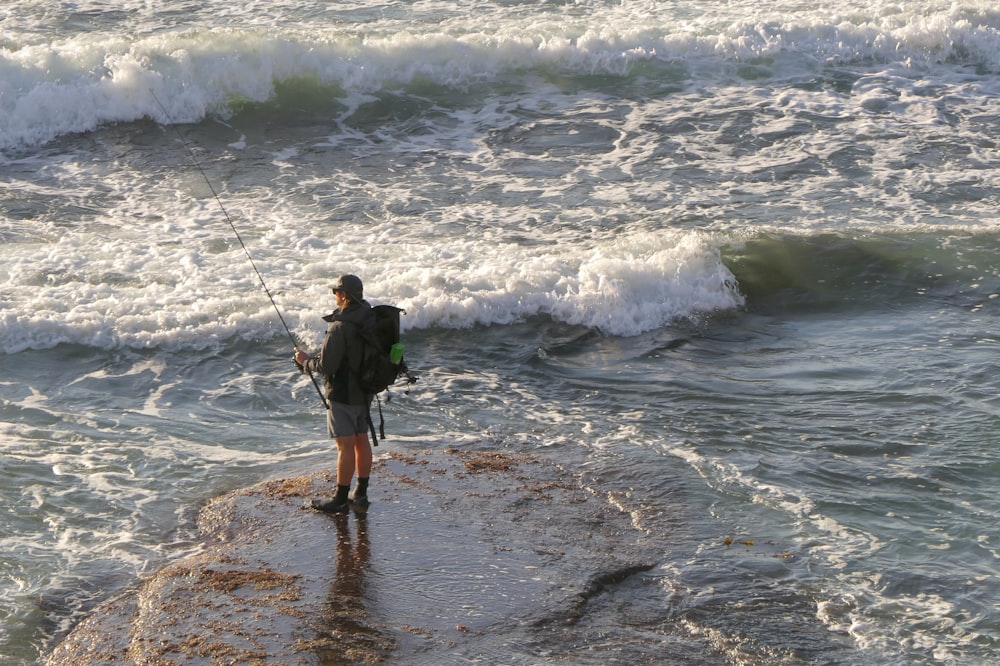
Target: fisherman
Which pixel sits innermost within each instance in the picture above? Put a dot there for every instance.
(347, 414)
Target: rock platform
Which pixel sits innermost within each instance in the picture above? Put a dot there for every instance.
(463, 556)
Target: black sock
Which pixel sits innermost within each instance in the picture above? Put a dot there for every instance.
(341, 495)
(362, 489)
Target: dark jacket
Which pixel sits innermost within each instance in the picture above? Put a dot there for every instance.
(340, 357)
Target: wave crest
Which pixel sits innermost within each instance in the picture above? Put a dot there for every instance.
(79, 84)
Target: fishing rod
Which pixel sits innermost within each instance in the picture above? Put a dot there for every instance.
(232, 225)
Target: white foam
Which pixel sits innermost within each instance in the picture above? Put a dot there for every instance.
(186, 283)
(78, 83)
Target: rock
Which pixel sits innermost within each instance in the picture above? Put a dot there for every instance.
(458, 550)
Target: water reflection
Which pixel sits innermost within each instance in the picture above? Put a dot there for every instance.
(352, 634)
(353, 557)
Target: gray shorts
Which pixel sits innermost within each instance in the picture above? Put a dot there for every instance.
(346, 420)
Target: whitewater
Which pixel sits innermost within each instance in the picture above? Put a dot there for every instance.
(735, 262)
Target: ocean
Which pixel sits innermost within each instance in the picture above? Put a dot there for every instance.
(735, 261)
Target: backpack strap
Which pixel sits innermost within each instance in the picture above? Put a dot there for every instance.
(371, 424)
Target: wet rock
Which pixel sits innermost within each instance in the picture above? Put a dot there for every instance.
(458, 551)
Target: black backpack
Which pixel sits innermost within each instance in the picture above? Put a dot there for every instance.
(377, 371)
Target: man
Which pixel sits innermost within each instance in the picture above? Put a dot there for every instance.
(347, 417)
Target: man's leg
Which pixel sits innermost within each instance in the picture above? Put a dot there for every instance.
(363, 454)
(347, 460)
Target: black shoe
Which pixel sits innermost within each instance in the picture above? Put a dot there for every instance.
(359, 501)
(330, 505)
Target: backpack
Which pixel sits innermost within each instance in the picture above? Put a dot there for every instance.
(377, 370)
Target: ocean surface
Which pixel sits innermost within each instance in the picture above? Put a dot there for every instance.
(736, 261)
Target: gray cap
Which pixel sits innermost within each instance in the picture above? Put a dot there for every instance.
(351, 285)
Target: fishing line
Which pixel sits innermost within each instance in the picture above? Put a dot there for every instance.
(232, 225)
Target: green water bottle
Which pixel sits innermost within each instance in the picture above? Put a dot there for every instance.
(396, 353)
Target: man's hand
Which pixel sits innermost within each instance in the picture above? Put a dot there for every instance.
(300, 359)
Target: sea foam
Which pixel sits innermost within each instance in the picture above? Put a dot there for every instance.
(48, 89)
(622, 287)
